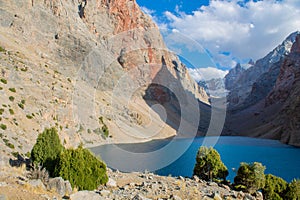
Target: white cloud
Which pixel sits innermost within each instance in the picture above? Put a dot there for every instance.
(247, 31)
(206, 73)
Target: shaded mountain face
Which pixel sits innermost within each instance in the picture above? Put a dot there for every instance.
(271, 108)
(73, 62)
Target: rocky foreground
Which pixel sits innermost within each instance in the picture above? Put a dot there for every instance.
(135, 186)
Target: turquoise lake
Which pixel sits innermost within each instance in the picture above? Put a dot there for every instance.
(280, 159)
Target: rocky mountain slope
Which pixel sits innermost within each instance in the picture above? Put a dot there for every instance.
(271, 108)
(242, 83)
(87, 67)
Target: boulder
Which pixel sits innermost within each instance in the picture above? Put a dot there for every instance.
(88, 195)
(59, 185)
(37, 183)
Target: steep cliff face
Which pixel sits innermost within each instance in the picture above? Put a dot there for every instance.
(272, 108)
(287, 93)
(75, 61)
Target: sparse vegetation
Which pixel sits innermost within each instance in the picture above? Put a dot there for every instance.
(21, 105)
(7, 143)
(2, 49)
(15, 154)
(12, 89)
(105, 130)
(250, 177)
(11, 111)
(209, 165)
(3, 126)
(38, 172)
(4, 81)
(29, 117)
(11, 98)
(81, 168)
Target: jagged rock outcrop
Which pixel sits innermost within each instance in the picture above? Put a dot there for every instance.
(72, 62)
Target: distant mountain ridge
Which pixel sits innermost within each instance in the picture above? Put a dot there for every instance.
(265, 100)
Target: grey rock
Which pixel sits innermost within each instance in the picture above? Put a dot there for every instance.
(175, 197)
(37, 183)
(217, 196)
(3, 197)
(139, 197)
(212, 184)
(195, 178)
(68, 188)
(57, 184)
(248, 197)
(105, 193)
(87, 195)
(111, 183)
(2, 184)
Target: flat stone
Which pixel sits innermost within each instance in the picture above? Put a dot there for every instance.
(86, 195)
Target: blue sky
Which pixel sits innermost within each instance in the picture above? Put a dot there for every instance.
(214, 35)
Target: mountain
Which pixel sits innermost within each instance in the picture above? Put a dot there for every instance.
(232, 76)
(215, 87)
(241, 88)
(271, 108)
(84, 65)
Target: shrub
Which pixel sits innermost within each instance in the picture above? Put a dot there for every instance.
(1, 88)
(2, 49)
(250, 176)
(3, 126)
(105, 130)
(4, 81)
(11, 98)
(22, 101)
(275, 187)
(11, 111)
(81, 168)
(293, 190)
(1, 111)
(209, 165)
(47, 149)
(12, 89)
(29, 116)
(21, 105)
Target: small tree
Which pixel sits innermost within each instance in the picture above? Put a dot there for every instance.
(250, 176)
(293, 190)
(275, 187)
(209, 165)
(81, 168)
(47, 149)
